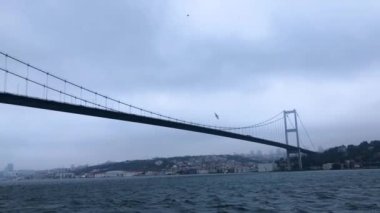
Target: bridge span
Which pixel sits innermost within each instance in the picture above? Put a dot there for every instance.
(8, 98)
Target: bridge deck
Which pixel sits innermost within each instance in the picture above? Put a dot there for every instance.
(8, 98)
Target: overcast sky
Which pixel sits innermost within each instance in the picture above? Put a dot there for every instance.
(245, 60)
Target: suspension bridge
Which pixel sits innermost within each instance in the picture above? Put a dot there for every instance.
(30, 86)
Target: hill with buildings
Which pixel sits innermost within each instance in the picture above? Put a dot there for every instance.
(178, 165)
(364, 155)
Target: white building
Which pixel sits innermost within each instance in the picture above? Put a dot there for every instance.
(327, 166)
(202, 171)
(266, 167)
(116, 173)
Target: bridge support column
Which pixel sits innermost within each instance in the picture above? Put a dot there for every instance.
(298, 141)
(290, 130)
(288, 167)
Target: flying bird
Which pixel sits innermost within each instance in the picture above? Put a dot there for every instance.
(216, 116)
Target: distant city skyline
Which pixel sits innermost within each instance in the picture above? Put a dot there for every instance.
(242, 61)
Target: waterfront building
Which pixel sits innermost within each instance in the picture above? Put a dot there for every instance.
(327, 166)
(266, 167)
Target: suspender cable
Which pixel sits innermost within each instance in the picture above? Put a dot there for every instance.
(26, 80)
(6, 72)
(307, 133)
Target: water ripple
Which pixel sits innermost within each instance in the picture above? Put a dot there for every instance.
(322, 191)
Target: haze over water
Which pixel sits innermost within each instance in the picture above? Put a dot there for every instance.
(320, 191)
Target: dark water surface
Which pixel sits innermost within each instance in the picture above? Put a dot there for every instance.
(320, 191)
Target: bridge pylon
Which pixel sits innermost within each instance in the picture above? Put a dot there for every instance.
(293, 129)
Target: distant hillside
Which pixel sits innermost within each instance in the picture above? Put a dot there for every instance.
(166, 164)
(365, 155)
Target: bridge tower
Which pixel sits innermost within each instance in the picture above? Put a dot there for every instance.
(293, 129)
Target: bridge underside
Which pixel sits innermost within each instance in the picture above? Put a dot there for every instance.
(7, 98)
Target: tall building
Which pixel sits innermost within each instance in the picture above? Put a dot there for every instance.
(9, 168)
